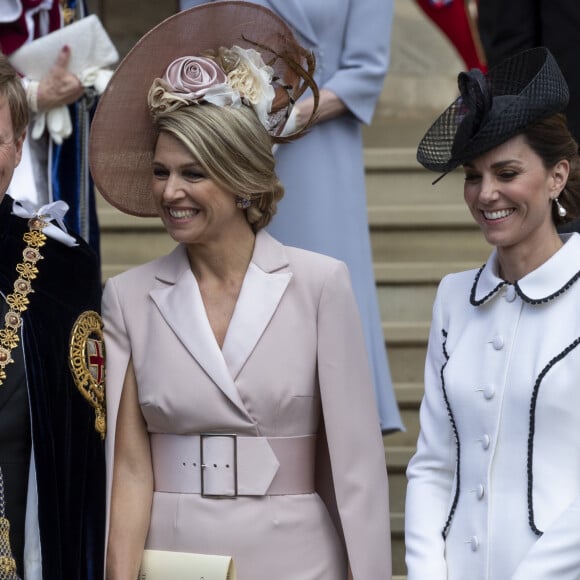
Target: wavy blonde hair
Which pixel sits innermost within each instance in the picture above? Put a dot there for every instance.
(235, 150)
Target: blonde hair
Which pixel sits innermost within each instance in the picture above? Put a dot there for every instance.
(11, 88)
(234, 149)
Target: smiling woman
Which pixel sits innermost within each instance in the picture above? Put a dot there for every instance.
(241, 404)
(510, 194)
(193, 207)
(210, 137)
(494, 488)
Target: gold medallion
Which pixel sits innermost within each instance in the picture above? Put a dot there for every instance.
(87, 364)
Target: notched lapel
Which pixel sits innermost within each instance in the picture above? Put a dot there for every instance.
(182, 307)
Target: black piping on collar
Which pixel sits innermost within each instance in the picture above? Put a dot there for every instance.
(519, 291)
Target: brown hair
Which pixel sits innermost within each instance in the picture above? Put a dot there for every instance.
(11, 88)
(551, 140)
(234, 149)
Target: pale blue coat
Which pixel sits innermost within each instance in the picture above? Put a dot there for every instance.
(324, 208)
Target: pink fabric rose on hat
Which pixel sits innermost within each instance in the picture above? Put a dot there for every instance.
(191, 77)
(196, 78)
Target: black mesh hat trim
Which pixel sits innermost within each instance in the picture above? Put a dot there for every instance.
(493, 108)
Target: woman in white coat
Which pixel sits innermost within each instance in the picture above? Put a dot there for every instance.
(494, 488)
(233, 348)
(324, 207)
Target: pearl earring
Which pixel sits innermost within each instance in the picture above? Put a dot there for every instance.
(561, 209)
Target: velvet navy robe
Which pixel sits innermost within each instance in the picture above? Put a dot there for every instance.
(68, 451)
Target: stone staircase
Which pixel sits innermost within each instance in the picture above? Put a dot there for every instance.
(419, 232)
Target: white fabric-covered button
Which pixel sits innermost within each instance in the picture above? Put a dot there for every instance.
(485, 441)
(474, 542)
(498, 342)
(480, 491)
(489, 392)
(510, 293)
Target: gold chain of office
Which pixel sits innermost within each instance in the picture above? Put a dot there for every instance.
(18, 301)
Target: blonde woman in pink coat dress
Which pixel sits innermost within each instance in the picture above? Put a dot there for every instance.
(233, 345)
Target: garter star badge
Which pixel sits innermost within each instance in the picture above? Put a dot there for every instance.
(87, 364)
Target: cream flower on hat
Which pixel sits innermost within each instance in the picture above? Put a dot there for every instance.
(253, 79)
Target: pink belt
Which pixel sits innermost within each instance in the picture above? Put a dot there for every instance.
(224, 465)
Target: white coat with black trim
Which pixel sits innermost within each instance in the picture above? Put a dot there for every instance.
(494, 488)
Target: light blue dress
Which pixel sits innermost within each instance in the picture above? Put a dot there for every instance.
(324, 207)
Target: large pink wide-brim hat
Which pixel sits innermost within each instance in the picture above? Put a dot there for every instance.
(122, 137)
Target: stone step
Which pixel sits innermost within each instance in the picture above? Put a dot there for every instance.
(407, 361)
(409, 397)
(409, 437)
(405, 303)
(391, 273)
(428, 244)
(409, 394)
(406, 333)
(429, 215)
(393, 176)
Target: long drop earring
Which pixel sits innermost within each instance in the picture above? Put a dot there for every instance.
(561, 209)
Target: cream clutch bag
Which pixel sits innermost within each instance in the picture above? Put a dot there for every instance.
(165, 565)
(90, 47)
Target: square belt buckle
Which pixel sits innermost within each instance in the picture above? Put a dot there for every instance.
(205, 466)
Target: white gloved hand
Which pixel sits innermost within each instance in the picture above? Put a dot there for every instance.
(57, 121)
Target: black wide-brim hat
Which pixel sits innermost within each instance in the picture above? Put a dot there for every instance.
(493, 108)
(122, 136)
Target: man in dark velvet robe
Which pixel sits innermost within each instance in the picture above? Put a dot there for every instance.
(52, 422)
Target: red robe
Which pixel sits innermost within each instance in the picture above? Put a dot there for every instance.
(14, 34)
(455, 22)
